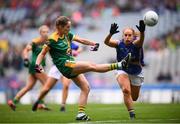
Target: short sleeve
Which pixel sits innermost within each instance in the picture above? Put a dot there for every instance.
(71, 36)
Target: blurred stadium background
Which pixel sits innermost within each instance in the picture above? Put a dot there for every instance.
(20, 19)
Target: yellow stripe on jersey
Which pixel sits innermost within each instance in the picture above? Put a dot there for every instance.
(54, 36)
(36, 40)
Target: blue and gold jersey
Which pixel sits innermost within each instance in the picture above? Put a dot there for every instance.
(136, 56)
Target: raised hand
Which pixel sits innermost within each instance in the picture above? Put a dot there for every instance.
(141, 26)
(113, 29)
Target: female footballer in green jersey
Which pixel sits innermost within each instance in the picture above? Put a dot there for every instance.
(35, 46)
(60, 51)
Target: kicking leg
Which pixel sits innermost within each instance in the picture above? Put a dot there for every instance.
(83, 67)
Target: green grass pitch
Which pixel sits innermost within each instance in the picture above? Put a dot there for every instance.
(99, 113)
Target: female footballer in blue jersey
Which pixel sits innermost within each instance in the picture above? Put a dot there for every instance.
(131, 78)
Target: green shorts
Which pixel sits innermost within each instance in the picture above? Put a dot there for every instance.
(66, 67)
(32, 67)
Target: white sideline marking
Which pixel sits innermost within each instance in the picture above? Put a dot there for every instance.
(128, 121)
(136, 120)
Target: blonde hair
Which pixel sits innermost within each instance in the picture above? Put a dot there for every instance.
(130, 29)
(42, 27)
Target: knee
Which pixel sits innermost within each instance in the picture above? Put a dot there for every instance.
(86, 89)
(92, 66)
(126, 91)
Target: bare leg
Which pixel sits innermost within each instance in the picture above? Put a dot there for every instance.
(135, 92)
(66, 82)
(48, 85)
(42, 77)
(82, 67)
(31, 82)
(83, 84)
(124, 83)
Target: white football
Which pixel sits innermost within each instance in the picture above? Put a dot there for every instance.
(150, 18)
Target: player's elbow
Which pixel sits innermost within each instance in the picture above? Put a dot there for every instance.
(106, 42)
(109, 44)
(93, 67)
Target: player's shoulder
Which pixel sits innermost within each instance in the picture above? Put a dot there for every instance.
(36, 40)
(53, 37)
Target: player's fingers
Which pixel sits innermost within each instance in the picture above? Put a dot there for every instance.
(117, 31)
(137, 27)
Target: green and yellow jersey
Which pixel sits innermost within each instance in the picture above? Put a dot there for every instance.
(60, 51)
(37, 46)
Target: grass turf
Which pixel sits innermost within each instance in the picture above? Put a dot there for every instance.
(99, 113)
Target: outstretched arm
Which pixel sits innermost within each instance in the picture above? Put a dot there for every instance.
(84, 41)
(94, 45)
(113, 30)
(139, 42)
